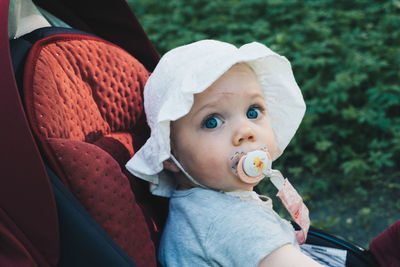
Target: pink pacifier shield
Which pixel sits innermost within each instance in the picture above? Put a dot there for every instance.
(254, 166)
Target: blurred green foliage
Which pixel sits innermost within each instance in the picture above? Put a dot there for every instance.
(345, 56)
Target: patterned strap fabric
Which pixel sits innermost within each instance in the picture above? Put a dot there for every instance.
(293, 203)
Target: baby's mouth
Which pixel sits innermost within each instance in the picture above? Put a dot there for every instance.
(235, 158)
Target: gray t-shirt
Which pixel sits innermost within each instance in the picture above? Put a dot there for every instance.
(209, 228)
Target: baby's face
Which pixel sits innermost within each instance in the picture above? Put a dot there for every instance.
(227, 120)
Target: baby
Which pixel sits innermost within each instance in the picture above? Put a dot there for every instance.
(209, 106)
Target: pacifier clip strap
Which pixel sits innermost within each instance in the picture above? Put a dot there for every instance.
(293, 203)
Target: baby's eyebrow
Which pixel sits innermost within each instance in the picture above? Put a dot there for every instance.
(212, 104)
(216, 100)
(257, 95)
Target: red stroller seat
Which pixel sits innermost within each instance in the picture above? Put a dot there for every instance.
(83, 97)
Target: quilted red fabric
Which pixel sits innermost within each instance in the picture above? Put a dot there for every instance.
(386, 246)
(83, 87)
(83, 94)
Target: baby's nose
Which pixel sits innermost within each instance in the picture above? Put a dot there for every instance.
(243, 134)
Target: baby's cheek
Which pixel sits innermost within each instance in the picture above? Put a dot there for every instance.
(213, 164)
(209, 157)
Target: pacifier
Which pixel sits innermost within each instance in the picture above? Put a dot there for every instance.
(254, 166)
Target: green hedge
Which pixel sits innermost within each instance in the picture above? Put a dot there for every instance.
(345, 56)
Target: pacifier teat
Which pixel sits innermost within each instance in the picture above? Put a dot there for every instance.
(254, 166)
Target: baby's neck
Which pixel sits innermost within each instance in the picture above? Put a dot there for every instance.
(183, 183)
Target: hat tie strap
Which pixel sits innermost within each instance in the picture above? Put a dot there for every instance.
(187, 174)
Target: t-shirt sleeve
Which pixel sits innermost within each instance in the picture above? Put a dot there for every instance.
(243, 236)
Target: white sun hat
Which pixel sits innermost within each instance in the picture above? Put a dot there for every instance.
(191, 69)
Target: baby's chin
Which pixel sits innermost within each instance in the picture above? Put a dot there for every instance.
(239, 185)
(249, 187)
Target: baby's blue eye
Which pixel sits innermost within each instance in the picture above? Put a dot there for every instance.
(212, 122)
(253, 113)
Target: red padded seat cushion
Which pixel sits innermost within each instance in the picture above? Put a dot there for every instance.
(83, 94)
(386, 246)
